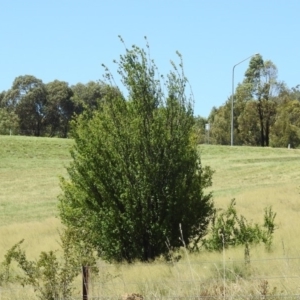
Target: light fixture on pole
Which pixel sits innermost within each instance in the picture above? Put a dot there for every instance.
(232, 96)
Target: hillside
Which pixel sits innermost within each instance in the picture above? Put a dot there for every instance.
(29, 170)
(255, 177)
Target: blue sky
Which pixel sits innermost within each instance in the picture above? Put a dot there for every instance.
(69, 40)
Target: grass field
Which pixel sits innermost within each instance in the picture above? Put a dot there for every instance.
(255, 177)
(29, 185)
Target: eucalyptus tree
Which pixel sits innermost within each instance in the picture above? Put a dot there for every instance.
(60, 107)
(9, 122)
(286, 128)
(89, 95)
(27, 98)
(262, 76)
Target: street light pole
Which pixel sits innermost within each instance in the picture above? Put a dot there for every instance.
(232, 96)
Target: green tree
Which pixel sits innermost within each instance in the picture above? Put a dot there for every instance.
(243, 114)
(200, 131)
(88, 96)
(2, 96)
(219, 120)
(249, 133)
(295, 92)
(9, 122)
(286, 129)
(262, 76)
(60, 107)
(27, 98)
(136, 174)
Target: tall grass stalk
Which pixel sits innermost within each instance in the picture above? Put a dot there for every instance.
(224, 267)
(187, 258)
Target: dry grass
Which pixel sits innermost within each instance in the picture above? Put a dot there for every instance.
(256, 177)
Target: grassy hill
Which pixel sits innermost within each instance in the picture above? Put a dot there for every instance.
(255, 177)
(29, 185)
(29, 170)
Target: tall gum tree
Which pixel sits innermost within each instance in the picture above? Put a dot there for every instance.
(60, 107)
(27, 98)
(262, 75)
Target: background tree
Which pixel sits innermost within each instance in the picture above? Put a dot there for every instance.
(219, 120)
(88, 96)
(27, 98)
(256, 99)
(136, 174)
(200, 131)
(286, 129)
(248, 125)
(295, 92)
(244, 131)
(262, 75)
(60, 107)
(9, 122)
(2, 96)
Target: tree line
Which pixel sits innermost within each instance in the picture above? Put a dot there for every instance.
(34, 108)
(265, 113)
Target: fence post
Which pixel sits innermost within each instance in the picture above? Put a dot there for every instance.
(85, 282)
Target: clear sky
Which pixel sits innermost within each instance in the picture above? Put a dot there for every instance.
(69, 39)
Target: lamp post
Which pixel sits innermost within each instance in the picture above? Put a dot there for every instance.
(232, 97)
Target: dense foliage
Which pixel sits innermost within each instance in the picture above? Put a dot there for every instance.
(31, 107)
(266, 111)
(136, 174)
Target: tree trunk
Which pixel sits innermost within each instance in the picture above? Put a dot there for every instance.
(261, 122)
(267, 131)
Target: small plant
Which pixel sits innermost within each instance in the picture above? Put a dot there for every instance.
(229, 229)
(50, 276)
(266, 293)
(133, 296)
(3, 274)
(269, 226)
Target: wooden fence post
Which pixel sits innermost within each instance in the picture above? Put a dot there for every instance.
(85, 283)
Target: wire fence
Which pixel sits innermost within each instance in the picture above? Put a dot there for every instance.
(271, 278)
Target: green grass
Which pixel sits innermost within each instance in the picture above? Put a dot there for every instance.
(29, 170)
(241, 169)
(255, 177)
